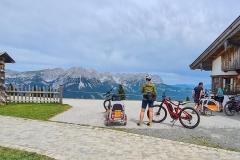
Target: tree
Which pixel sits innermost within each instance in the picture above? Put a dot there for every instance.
(50, 95)
(34, 89)
(10, 87)
(41, 89)
(187, 99)
(121, 92)
(16, 93)
(23, 89)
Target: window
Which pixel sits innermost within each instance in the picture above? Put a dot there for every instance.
(228, 84)
(215, 81)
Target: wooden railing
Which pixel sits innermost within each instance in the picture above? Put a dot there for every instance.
(234, 91)
(40, 95)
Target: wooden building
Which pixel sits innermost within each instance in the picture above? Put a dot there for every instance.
(4, 58)
(222, 58)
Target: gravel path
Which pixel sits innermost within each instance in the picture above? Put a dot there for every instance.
(225, 138)
(215, 131)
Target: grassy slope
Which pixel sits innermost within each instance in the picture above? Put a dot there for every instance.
(38, 111)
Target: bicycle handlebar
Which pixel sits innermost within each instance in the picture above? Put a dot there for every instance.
(164, 95)
(164, 98)
(108, 92)
(231, 98)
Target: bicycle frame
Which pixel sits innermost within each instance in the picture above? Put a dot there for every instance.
(108, 94)
(176, 112)
(176, 109)
(108, 98)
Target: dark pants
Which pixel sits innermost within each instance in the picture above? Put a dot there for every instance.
(220, 99)
(197, 101)
(146, 102)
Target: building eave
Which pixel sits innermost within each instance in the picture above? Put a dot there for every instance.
(7, 58)
(212, 52)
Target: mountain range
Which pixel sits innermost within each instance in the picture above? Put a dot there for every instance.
(84, 83)
(191, 86)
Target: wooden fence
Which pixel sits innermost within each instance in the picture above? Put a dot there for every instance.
(36, 94)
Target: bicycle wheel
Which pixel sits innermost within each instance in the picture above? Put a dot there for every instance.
(189, 117)
(106, 104)
(227, 109)
(159, 114)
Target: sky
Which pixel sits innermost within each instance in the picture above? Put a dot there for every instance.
(160, 37)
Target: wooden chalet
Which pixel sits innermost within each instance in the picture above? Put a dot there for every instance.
(222, 58)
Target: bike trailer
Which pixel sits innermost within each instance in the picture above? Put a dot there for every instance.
(116, 111)
(209, 105)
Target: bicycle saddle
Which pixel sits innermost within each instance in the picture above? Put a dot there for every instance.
(182, 103)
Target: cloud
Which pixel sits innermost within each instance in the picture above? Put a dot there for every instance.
(115, 36)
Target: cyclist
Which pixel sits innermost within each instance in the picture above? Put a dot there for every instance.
(149, 96)
(220, 96)
(197, 94)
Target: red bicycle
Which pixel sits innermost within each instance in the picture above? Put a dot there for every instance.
(188, 116)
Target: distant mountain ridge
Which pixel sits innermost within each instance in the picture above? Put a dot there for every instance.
(79, 82)
(191, 86)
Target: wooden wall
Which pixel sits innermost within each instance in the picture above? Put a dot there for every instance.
(231, 59)
(2, 82)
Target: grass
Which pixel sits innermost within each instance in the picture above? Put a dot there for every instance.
(37, 111)
(13, 154)
(118, 129)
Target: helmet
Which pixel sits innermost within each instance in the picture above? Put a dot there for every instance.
(148, 77)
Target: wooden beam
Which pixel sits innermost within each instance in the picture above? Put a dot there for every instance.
(238, 71)
(234, 42)
(207, 64)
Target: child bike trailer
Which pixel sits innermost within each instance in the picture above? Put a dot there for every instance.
(116, 111)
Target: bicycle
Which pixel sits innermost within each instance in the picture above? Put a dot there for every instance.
(232, 106)
(183, 114)
(106, 102)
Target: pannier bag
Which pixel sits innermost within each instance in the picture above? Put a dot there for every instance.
(149, 96)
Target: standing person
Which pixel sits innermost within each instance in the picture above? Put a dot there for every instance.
(197, 93)
(220, 96)
(149, 96)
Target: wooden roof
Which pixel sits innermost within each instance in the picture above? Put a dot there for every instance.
(7, 58)
(204, 61)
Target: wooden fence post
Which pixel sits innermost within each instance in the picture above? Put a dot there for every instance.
(60, 94)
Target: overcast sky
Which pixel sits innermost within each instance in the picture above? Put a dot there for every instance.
(119, 36)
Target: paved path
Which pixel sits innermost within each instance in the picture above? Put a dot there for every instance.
(71, 141)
